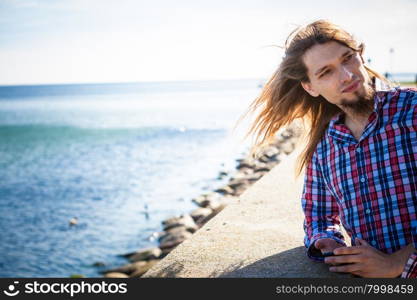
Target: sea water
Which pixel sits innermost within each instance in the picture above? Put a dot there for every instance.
(118, 157)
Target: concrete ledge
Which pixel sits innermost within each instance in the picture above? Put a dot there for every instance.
(260, 236)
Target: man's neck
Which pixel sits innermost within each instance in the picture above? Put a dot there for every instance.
(357, 122)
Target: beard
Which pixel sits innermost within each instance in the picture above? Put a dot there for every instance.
(364, 102)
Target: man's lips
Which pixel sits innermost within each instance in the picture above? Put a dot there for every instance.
(351, 87)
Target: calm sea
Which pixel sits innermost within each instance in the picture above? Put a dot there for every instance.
(101, 152)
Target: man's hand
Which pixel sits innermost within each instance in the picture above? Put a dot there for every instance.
(366, 261)
(327, 245)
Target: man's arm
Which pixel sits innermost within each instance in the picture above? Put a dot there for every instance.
(321, 213)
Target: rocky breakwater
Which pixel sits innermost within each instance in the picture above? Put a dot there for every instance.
(175, 230)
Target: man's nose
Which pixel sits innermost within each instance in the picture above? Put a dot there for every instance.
(345, 74)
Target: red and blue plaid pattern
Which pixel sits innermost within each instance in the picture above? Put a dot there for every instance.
(370, 185)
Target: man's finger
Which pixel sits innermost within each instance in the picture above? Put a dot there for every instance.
(348, 250)
(346, 268)
(343, 259)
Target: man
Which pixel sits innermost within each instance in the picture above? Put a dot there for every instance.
(361, 156)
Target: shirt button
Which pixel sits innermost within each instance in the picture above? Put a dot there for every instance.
(359, 150)
(368, 211)
(373, 243)
(362, 179)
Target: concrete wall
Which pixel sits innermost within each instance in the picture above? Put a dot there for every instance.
(260, 236)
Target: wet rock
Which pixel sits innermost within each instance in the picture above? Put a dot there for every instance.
(234, 183)
(287, 147)
(200, 213)
(262, 167)
(166, 251)
(245, 163)
(145, 254)
(225, 190)
(143, 269)
(127, 269)
(173, 231)
(201, 200)
(183, 220)
(254, 177)
(174, 239)
(115, 275)
(98, 264)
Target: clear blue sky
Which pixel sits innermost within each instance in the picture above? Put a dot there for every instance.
(71, 41)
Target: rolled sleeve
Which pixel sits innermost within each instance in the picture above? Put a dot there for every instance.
(321, 211)
(410, 269)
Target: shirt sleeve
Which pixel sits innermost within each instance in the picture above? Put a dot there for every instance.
(320, 210)
(410, 269)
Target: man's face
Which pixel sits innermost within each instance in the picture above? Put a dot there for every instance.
(337, 73)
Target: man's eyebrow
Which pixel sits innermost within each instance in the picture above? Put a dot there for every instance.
(343, 55)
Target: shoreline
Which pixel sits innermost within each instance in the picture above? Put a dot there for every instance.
(177, 229)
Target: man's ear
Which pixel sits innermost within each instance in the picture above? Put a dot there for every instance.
(309, 89)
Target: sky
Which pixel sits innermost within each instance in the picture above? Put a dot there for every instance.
(92, 41)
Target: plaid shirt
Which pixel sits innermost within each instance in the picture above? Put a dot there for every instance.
(370, 185)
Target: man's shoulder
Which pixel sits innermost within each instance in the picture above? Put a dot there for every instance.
(399, 96)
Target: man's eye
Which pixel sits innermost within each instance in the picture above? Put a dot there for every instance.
(324, 73)
(347, 58)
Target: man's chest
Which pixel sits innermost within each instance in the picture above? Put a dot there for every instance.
(379, 165)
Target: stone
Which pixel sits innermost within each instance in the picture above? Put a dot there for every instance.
(171, 240)
(201, 200)
(173, 231)
(225, 190)
(143, 269)
(246, 163)
(145, 254)
(126, 269)
(183, 220)
(262, 168)
(201, 212)
(115, 275)
(254, 177)
(236, 182)
(166, 251)
(288, 147)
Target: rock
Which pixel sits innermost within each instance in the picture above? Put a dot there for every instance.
(225, 190)
(271, 152)
(173, 231)
(143, 269)
(234, 183)
(115, 275)
(199, 213)
(287, 147)
(126, 269)
(171, 240)
(262, 168)
(98, 264)
(166, 251)
(204, 220)
(246, 163)
(183, 220)
(254, 177)
(223, 173)
(145, 254)
(201, 200)
(73, 221)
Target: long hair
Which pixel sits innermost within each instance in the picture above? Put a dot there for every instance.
(284, 100)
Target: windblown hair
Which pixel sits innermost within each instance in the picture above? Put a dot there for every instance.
(283, 99)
